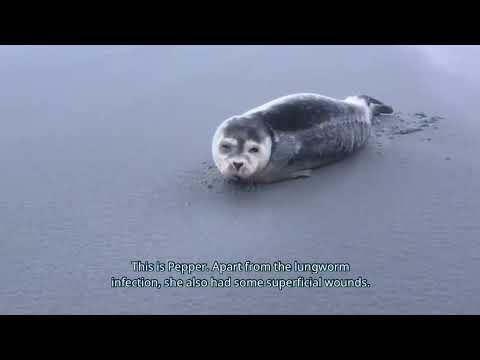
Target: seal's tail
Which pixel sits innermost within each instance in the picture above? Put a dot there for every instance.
(376, 106)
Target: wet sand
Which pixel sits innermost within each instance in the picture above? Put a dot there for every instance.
(105, 159)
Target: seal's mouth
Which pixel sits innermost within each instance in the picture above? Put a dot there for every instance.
(238, 173)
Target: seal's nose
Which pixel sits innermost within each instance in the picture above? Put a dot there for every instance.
(237, 165)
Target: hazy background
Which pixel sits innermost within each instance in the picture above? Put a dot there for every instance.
(104, 155)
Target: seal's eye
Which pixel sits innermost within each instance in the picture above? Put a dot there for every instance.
(253, 150)
(226, 147)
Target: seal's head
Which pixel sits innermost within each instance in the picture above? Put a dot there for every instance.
(241, 147)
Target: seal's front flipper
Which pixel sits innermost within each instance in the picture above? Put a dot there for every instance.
(284, 176)
(301, 174)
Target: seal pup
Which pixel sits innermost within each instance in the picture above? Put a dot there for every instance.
(288, 137)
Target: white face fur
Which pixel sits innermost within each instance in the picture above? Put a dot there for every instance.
(237, 157)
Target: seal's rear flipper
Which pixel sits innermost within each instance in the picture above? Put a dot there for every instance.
(381, 109)
(376, 106)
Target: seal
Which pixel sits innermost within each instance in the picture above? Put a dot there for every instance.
(288, 137)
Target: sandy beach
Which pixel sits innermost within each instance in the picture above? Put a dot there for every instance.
(105, 159)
